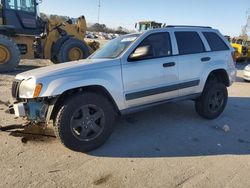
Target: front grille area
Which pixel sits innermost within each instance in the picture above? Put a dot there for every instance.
(15, 88)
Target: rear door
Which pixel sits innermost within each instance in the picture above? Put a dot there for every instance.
(192, 60)
(154, 77)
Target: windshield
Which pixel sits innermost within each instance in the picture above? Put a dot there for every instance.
(115, 47)
(144, 27)
(24, 5)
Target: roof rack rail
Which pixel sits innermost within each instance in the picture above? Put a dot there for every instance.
(188, 26)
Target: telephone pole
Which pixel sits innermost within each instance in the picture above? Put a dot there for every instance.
(246, 28)
(99, 10)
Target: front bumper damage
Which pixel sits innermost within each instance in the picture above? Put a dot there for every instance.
(35, 110)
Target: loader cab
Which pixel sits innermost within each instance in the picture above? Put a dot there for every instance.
(146, 25)
(21, 15)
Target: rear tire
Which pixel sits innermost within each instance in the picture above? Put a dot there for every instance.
(213, 100)
(84, 122)
(73, 49)
(9, 54)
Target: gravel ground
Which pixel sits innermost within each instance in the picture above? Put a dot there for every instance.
(166, 146)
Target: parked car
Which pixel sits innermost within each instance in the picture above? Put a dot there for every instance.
(130, 73)
(246, 73)
(91, 35)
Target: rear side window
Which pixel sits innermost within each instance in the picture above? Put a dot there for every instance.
(189, 42)
(215, 42)
(160, 45)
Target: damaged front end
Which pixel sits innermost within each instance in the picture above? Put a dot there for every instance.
(37, 110)
(34, 110)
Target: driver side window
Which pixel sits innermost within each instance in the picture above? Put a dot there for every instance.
(24, 5)
(10, 4)
(159, 45)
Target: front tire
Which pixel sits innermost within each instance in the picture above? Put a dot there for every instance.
(84, 122)
(213, 100)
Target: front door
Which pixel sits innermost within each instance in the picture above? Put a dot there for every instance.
(153, 77)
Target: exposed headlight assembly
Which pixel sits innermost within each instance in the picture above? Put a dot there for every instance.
(29, 89)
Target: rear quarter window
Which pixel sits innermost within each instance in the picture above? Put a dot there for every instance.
(215, 42)
(189, 42)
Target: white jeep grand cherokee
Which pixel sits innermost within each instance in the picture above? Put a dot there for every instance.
(129, 73)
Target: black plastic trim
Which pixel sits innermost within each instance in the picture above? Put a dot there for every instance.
(15, 89)
(155, 91)
(205, 59)
(150, 105)
(170, 64)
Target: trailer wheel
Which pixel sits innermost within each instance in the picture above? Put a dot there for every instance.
(72, 50)
(9, 54)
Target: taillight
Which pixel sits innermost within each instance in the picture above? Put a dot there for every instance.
(234, 57)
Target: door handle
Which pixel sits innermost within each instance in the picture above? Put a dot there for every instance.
(170, 64)
(204, 59)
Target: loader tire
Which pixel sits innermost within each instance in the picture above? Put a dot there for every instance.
(9, 54)
(72, 50)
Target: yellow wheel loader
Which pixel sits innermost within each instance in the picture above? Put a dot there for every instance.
(242, 49)
(24, 35)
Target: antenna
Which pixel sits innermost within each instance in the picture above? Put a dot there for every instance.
(99, 10)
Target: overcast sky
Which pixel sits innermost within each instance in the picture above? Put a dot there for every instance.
(226, 15)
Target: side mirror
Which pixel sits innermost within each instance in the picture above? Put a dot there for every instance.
(141, 52)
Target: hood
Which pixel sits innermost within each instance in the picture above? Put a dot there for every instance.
(67, 68)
